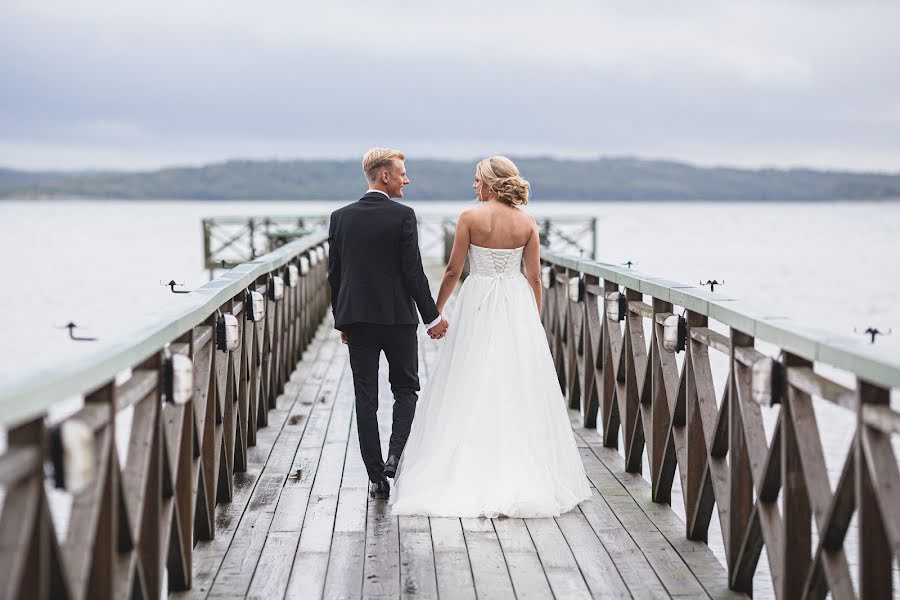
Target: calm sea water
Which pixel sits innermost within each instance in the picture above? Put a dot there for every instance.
(100, 263)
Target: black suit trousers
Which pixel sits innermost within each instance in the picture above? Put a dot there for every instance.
(398, 342)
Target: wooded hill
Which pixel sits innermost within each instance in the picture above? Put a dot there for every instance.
(551, 179)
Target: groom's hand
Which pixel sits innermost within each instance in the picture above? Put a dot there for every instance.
(343, 337)
(439, 330)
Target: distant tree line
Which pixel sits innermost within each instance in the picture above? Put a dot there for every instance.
(551, 179)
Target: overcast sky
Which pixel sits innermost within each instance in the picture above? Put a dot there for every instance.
(120, 84)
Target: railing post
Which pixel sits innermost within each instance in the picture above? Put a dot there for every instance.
(26, 569)
(740, 500)
(875, 553)
(634, 383)
(592, 354)
(796, 553)
(608, 394)
(207, 248)
(251, 227)
(698, 478)
(661, 470)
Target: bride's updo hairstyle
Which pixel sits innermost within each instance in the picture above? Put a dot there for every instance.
(501, 176)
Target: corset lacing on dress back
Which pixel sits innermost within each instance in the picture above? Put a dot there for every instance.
(494, 262)
(497, 264)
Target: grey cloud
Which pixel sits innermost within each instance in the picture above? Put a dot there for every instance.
(794, 84)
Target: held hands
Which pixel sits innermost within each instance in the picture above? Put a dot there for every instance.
(439, 330)
(343, 337)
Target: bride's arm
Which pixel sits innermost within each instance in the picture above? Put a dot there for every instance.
(532, 259)
(456, 263)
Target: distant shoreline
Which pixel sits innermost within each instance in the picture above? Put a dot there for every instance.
(599, 180)
(64, 199)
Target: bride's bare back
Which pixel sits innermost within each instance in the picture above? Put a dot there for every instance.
(494, 224)
(498, 225)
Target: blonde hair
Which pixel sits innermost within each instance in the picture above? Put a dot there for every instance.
(376, 159)
(501, 176)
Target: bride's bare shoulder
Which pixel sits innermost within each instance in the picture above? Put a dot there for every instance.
(470, 215)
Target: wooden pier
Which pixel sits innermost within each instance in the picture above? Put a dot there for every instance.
(301, 524)
(242, 475)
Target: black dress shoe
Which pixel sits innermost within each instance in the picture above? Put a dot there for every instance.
(390, 465)
(380, 489)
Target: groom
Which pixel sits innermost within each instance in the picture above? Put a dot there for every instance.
(377, 282)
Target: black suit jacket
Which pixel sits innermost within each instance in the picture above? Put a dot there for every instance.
(374, 265)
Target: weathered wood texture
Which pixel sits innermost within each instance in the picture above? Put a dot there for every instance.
(169, 508)
(256, 488)
(304, 526)
(768, 491)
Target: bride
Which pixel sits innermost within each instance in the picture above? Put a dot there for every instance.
(491, 435)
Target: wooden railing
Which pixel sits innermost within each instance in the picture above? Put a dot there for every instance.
(231, 240)
(192, 422)
(767, 492)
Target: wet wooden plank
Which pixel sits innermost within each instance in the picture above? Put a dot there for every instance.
(698, 557)
(597, 567)
(418, 578)
(208, 556)
(525, 569)
(381, 575)
(556, 557)
(665, 560)
(344, 578)
(631, 563)
(301, 575)
(238, 571)
(451, 559)
(489, 568)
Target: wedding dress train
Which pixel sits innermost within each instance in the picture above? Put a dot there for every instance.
(491, 435)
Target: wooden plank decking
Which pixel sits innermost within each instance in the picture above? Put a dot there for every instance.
(301, 524)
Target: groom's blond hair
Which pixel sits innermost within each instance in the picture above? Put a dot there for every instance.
(377, 159)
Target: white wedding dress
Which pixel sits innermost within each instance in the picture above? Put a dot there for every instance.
(491, 435)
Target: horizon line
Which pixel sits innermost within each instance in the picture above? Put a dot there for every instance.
(450, 159)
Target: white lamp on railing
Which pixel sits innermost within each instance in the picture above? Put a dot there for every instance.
(255, 306)
(767, 381)
(616, 306)
(228, 332)
(178, 378)
(304, 265)
(73, 455)
(674, 333)
(293, 275)
(313, 258)
(548, 276)
(276, 288)
(325, 247)
(576, 288)
(320, 252)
